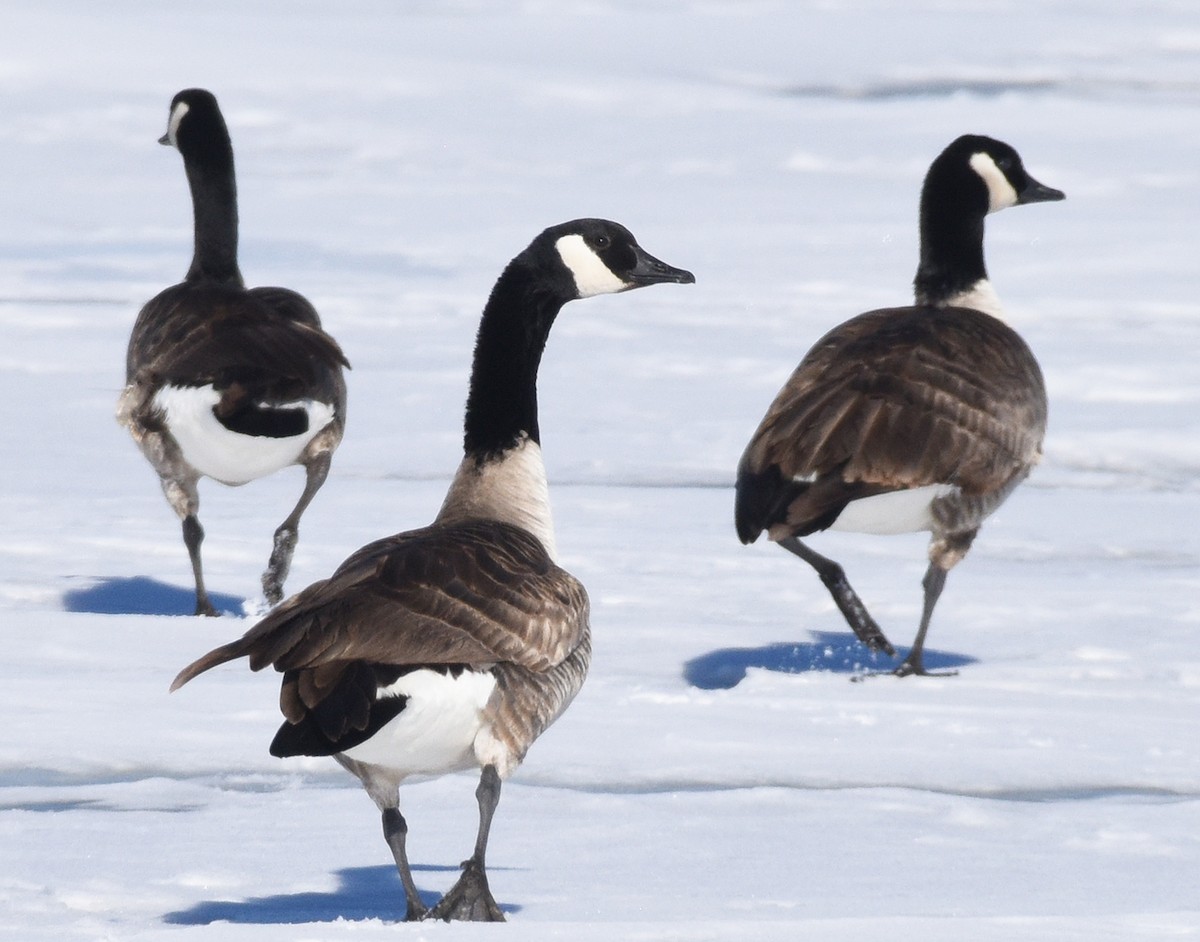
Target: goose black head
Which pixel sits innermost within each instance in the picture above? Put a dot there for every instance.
(576, 259)
(195, 124)
(984, 175)
(596, 256)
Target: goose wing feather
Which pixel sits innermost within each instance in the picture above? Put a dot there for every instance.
(264, 339)
(475, 594)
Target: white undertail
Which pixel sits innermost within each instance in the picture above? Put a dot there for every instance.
(435, 733)
(906, 511)
(226, 456)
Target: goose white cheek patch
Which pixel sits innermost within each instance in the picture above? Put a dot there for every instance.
(591, 275)
(177, 114)
(1001, 194)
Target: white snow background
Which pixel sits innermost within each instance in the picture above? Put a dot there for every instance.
(719, 777)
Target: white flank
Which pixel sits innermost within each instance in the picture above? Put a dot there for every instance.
(981, 296)
(591, 275)
(225, 456)
(1001, 194)
(177, 114)
(894, 512)
(435, 732)
(511, 489)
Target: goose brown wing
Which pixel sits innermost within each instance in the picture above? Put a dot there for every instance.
(895, 399)
(267, 341)
(475, 594)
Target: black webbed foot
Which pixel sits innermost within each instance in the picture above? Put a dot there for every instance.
(469, 900)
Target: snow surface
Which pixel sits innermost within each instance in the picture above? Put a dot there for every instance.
(719, 777)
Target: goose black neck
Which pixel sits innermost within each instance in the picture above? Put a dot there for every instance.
(209, 166)
(951, 247)
(502, 402)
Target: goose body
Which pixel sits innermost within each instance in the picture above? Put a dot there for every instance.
(455, 645)
(908, 419)
(223, 381)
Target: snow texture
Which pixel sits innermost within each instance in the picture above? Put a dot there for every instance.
(720, 777)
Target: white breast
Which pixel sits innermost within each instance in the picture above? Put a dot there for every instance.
(225, 456)
(511, 489)
(435, 732)
(981, 296)
(894, 512)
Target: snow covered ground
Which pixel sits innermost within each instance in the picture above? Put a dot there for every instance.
(719, 777)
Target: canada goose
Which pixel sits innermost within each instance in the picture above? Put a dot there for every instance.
(912, 418)
(223, 381)
(458, 644)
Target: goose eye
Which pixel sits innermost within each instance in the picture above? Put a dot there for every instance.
(1004, 163)
(601, 241)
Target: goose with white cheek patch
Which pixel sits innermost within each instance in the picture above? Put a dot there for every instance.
(912, 418)
(456, 645)
(223, 381)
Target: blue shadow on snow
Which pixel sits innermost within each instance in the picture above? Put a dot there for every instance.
(836, 652)
(362, 893)
(141, 595)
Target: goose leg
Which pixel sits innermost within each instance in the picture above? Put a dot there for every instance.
(946, 551)
(470, 898)
(934, 581)
(847, 600)
(184, 497)
(280, 562)
(395, 832)
(193, 536)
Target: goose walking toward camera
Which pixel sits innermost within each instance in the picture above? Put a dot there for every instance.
(223, 381)
(911, 418)
(458, 644)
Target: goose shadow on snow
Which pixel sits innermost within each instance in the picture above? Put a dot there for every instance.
(835, 652)
(362, 893)
(141, 595)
